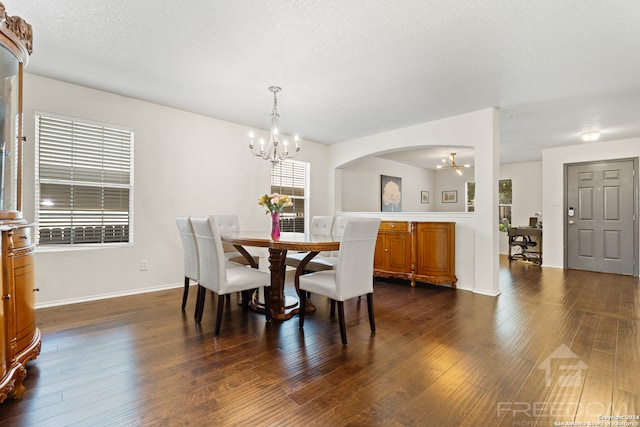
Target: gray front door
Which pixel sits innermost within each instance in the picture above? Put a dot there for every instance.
(600, 216)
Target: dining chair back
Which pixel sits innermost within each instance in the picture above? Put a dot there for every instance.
(215, 273)
(190, 255)
(339, 222)
(321, 225)
(231, 223)
(353, 274)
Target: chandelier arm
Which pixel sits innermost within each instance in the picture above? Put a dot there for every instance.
(274, 151)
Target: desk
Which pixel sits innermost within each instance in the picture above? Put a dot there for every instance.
(533, 256)
(277, 254)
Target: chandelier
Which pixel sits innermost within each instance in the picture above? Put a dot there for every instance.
(452, 164)
(272, 150)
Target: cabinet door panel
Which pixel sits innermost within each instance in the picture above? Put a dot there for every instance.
(435, 252)
(3, 335)
(379, 257)
(25, 300)
(399, 252)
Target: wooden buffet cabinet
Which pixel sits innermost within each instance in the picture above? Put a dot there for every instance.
(417, 251)
(20, 339)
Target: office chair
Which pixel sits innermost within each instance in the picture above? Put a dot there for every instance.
(518, 242)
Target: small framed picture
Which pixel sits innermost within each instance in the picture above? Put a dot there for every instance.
(450, 196)
(424, 196)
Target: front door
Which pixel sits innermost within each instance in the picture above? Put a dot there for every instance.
(600, 217)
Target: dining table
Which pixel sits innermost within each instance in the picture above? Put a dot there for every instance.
(282, 307)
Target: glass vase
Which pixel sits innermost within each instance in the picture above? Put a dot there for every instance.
(275, 225)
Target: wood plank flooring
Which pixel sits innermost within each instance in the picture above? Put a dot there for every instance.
(556, 346)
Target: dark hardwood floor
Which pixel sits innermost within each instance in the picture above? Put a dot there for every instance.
(555, 346)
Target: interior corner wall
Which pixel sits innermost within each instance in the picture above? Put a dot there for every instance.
(553, 188)
(448, 180)
(526, 178)
(184, 164)
(480, 130)
(361, 185)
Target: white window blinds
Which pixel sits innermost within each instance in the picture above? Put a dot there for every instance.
(290, 177)
(85, 182)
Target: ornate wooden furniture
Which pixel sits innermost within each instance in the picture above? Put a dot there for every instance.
(416, 251)
(19, 338)
(393, 256)
(282, 309)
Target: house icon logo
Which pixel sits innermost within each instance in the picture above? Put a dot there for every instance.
(568, 366)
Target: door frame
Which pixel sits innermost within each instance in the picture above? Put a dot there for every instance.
(565, 206)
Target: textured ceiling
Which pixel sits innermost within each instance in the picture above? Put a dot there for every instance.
(351, 68)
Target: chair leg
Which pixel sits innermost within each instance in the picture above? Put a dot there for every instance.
(202, 293)
(245, 300)
(332, 312)
(303, 308)
(372, 321)
(221, 299)
(185, 293)
(343, 330)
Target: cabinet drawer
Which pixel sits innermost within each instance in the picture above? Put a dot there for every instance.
(394, 226)
(21, 237)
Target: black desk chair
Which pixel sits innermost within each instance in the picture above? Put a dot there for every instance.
(518, 242)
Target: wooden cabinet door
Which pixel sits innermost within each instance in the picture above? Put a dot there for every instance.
(3, 337)
(380, 258)
(393, 250)
(23, 275)
(435, 251)
(399, 252)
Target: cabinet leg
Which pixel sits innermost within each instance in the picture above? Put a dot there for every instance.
(17, 391)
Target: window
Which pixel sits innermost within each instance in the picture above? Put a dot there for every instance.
(291, 177)
(84, 182)
(505, 198)
(471, 197)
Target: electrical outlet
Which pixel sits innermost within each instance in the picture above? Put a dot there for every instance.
(143, 265)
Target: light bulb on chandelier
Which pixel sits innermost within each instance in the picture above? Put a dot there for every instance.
(273, 151)
(452, 164)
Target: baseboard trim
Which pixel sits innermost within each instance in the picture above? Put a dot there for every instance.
(107, 296)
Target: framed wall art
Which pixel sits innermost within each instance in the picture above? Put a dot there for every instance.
(450, 196)
(390, 194)
(424, 196)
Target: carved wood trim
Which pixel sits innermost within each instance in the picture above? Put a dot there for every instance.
(18, 27)
(13, 387)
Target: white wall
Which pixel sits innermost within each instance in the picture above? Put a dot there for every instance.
(361, 185)
(449, 180)
(553, 162)
(185, 164)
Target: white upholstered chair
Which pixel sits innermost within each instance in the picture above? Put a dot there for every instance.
(232, 223)
(327, 261)
(216, 276)
(353, 274)
(320, 225)
(190, 255)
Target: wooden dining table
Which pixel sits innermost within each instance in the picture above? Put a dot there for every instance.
(282, 308)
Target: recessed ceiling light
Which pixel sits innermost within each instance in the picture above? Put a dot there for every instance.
(590, 136)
